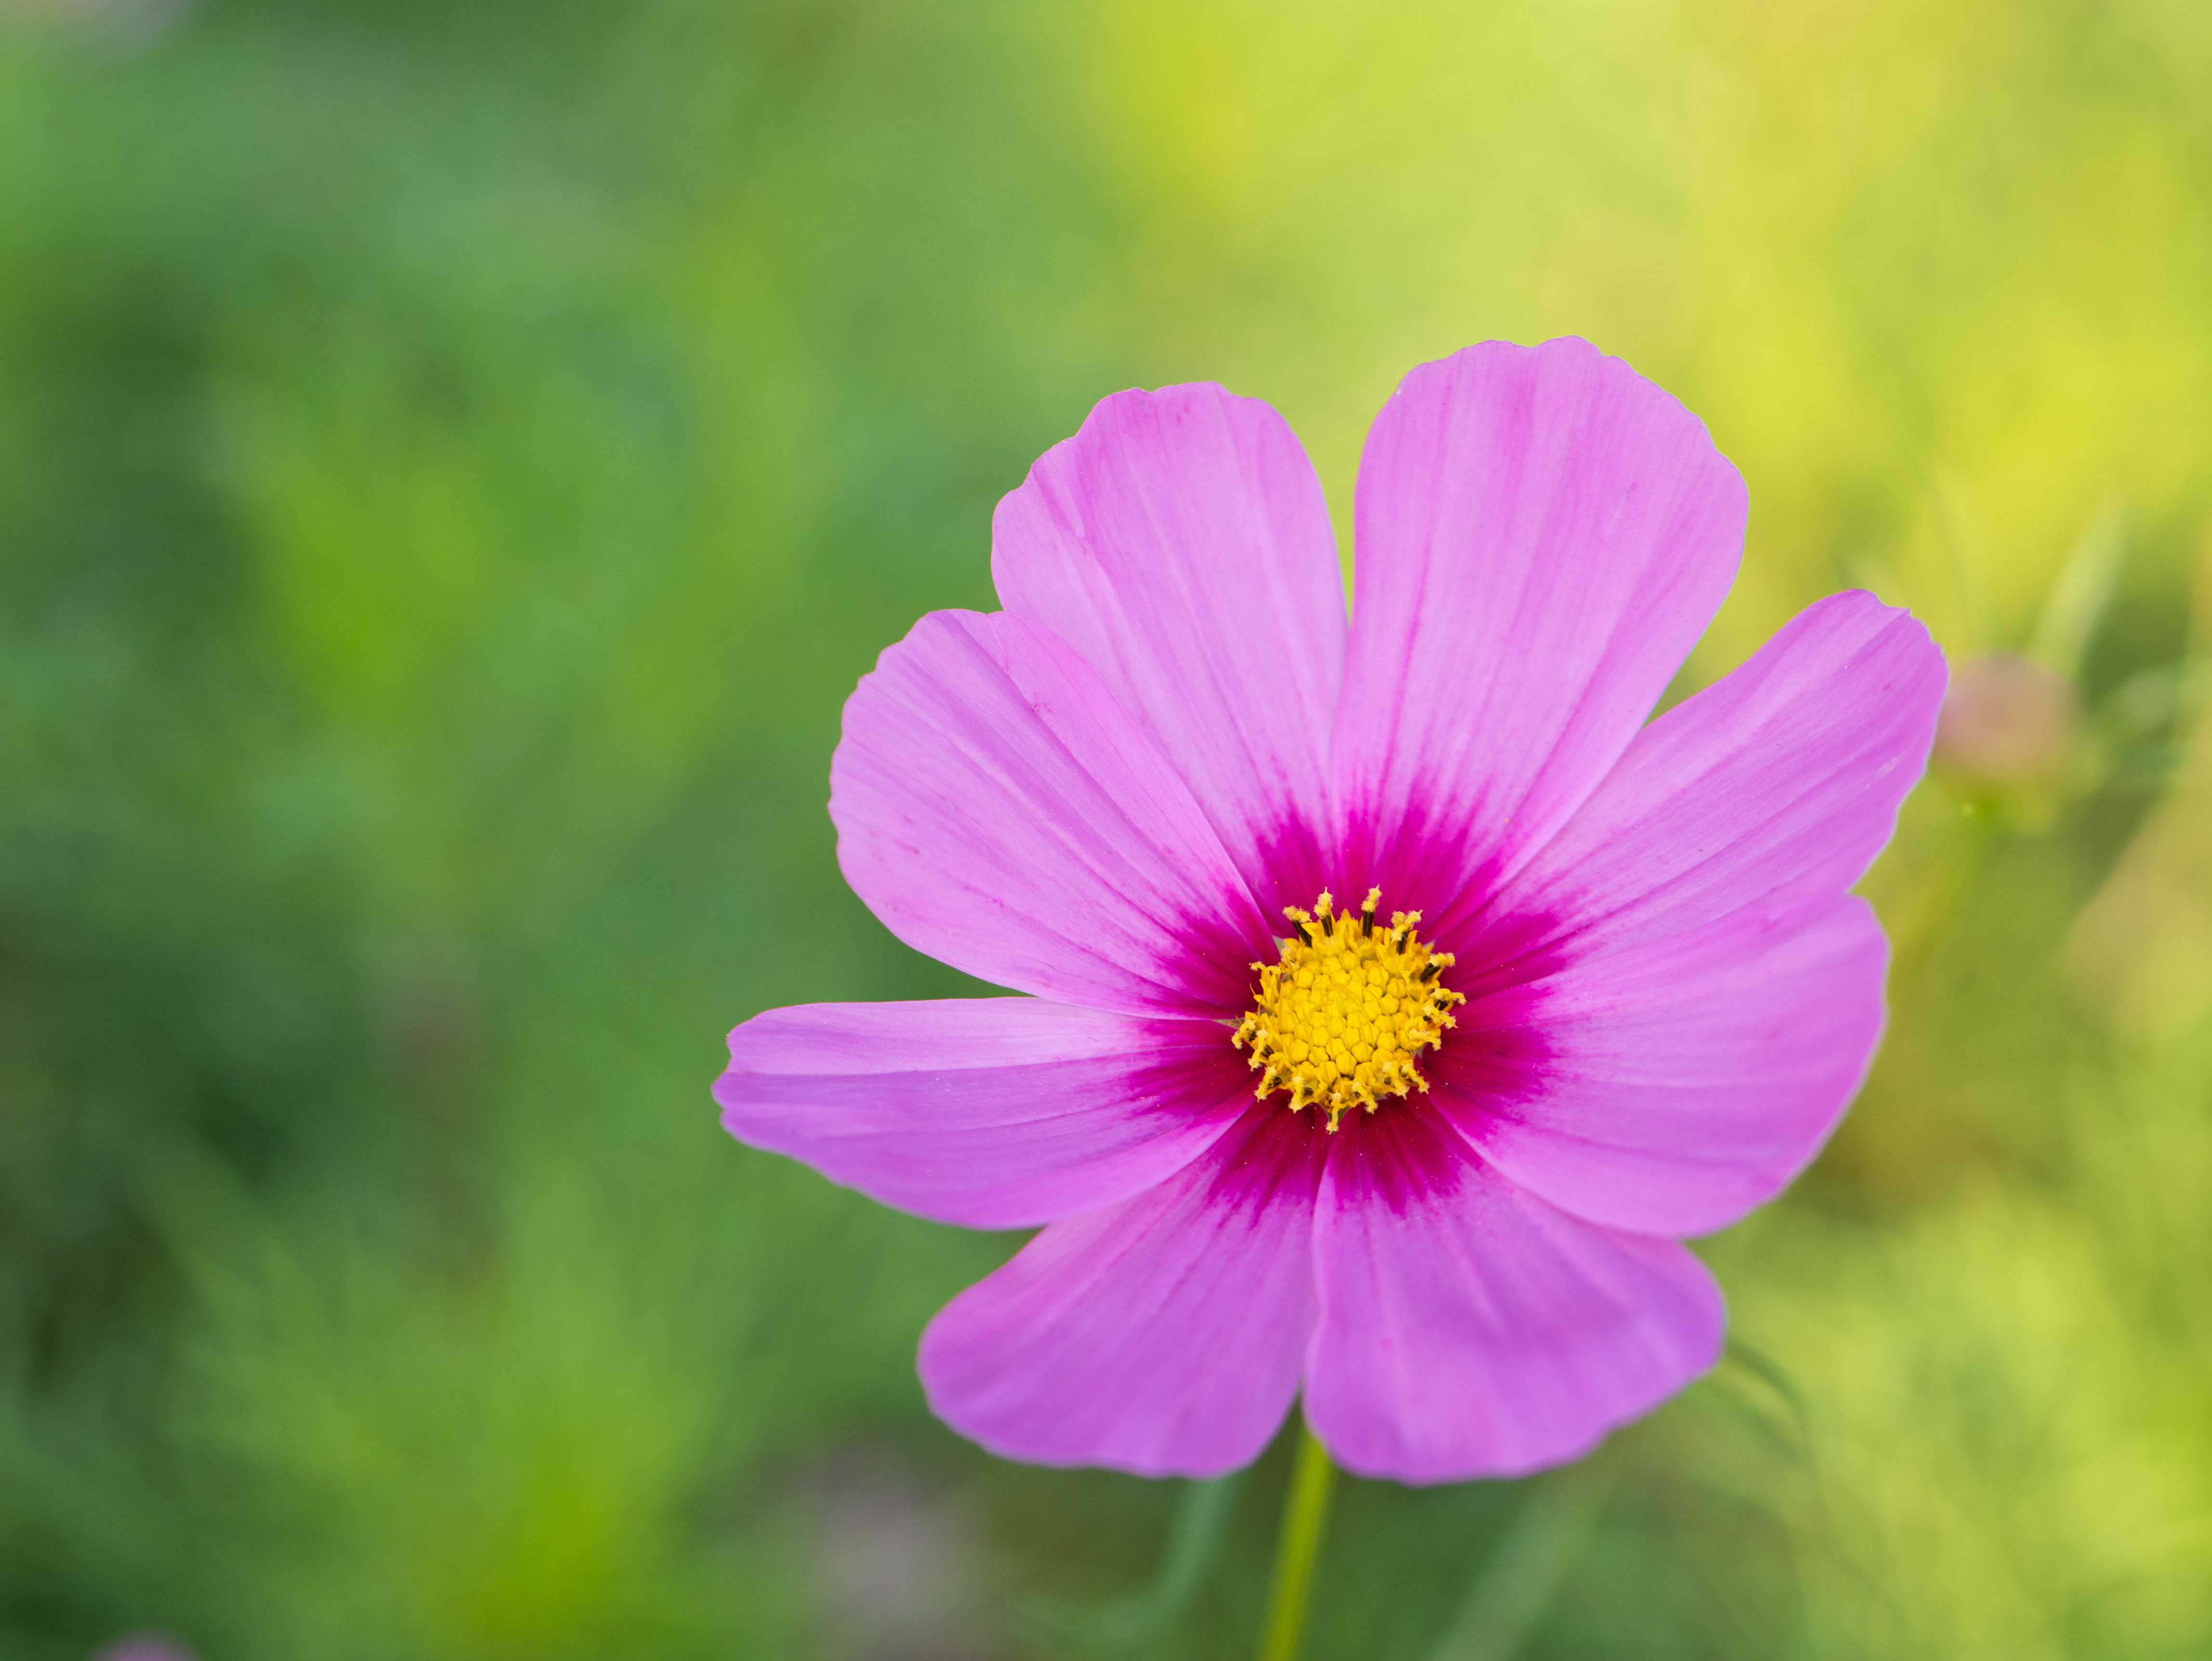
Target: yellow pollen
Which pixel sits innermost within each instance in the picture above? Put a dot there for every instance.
(1339, 1020)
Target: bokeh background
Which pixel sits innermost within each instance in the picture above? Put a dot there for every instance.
(455, 459)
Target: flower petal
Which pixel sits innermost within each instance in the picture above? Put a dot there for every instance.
(1704, 1001)
(1469, 1329)
(1672, 1087)
(1163, 1337)
(987, 1112)
(997, 809)
(1542, 535)
(1777, 783)
(1180, 543)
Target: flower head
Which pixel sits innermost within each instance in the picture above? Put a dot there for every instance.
(1434, 1172)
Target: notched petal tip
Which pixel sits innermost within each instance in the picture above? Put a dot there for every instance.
(1575, 358)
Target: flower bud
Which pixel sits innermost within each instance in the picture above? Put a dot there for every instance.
(2006, 719)
(143, 1647)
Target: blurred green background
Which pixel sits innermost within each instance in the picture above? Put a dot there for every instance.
(456, 458)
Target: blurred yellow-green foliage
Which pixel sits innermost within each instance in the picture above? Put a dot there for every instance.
(454, 460)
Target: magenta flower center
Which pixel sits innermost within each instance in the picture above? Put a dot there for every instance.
(1339, 1020)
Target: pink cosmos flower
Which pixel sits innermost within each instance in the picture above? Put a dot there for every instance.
(1398, 998)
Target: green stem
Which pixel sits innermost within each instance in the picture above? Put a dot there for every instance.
(1305, 1518)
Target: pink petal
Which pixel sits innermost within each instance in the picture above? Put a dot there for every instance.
(1163, 1337)
(1777, 783)
(1672, 1087)
(1180, 542)
(1469, 1329)
(1543, 535)
(989, 1112)
(998, 810)
(1706, 999)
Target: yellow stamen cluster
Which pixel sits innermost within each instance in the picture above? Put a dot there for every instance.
(1338, 1021)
